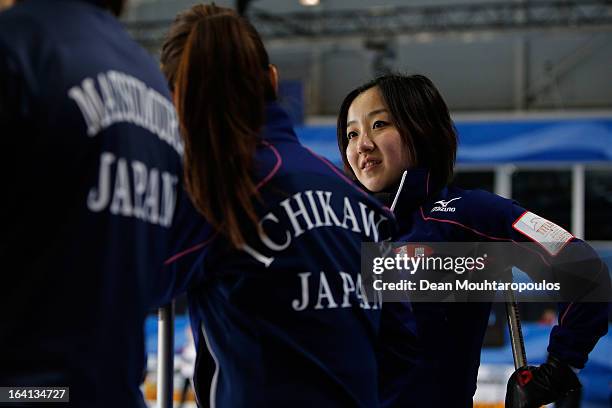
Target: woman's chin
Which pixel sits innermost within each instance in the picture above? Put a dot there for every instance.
(374, 187)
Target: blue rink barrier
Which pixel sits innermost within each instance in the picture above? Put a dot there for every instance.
(596, 377)
(505, 141)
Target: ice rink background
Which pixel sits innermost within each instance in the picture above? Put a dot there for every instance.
(532, 101)
(496, 364)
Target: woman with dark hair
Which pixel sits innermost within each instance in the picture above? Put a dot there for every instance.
(273, 255)
(397, 139)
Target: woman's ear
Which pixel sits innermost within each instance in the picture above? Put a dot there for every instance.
(273, 72)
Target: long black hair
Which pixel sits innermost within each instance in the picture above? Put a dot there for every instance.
(219, 70)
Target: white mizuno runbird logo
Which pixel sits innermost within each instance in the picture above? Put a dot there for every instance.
(444, 205)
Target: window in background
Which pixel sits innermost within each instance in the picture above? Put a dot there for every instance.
(547, 193)
(598, 205)
(472, 179)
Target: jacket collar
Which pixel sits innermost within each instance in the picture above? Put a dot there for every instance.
(278, 125)
(414, 189)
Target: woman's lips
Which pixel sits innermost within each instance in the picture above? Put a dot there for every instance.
(371, 165)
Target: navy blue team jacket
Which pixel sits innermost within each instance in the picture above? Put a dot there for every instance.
(90, 169)
(443, 370)
(285, 319)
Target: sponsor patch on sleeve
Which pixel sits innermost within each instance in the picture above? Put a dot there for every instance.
(546, 233)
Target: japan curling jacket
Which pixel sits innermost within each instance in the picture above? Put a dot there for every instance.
(442, 373)
(90, 169)
(284, 318)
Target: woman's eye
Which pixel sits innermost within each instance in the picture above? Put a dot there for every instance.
(378, 124)
(351, 135)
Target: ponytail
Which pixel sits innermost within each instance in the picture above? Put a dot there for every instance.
(221, 83)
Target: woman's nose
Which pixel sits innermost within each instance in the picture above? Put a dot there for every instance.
(365, 143)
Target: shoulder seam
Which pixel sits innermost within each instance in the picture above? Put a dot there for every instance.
(279, 162)
(194, 248)
(462, 225)
(481, 233)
